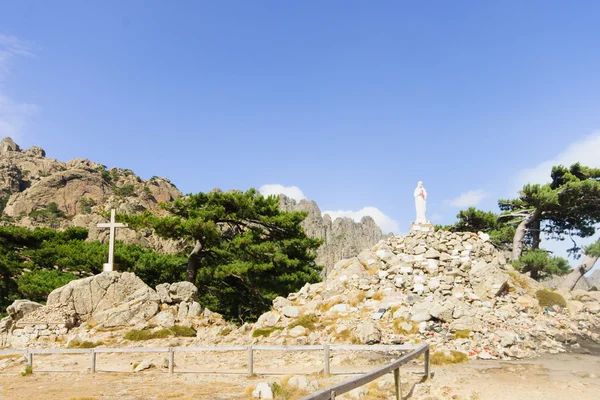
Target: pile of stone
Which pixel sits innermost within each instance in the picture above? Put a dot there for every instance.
(454, 290)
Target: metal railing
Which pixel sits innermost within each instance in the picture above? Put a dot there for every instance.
(251, 350)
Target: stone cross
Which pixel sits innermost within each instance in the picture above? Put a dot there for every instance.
(112, 225)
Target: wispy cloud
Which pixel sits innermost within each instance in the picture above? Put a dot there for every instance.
(386, 223)
(468, 199)
(14, 115)
(293, 192)
(585, 151)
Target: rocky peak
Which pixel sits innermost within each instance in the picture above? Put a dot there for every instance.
(7, 144)
(342, 237)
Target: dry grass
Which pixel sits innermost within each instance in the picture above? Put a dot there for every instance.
(378, 296)
(448, 357)
(147, 334)
(357, 299)
(307, 321)
(402, 331)
(225, 331)
(519, 280)
(347, 336)
(462, 334)
(85, 344)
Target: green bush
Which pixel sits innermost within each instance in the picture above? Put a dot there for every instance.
(146, 334)
(539, 263)
(265, 332)
(37, 285)
(125, 191)
(548, 298)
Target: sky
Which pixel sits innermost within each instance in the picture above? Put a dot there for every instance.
(348, 103)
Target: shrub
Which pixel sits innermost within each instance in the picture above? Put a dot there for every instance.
(147, 334)
(448, 357)
(106, 176)
(225, 331)
(37, 285)
(265, 332)
(307, 321)
(182, 331)
(548, 298)
(27, 371)
(125, 191)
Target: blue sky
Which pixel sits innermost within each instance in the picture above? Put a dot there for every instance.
(352, 102)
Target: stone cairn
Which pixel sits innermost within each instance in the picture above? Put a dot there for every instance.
(453, 290)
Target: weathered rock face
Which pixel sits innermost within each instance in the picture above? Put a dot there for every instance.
(342, 238)
(81, 189)
(454, 290)
(19, 308)
(111, 299)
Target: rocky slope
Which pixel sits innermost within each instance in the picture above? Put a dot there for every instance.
(454, 290)
(80, 190)
(342, 237)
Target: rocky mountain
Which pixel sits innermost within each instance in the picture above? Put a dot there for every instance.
(39, 191)
(342, 237)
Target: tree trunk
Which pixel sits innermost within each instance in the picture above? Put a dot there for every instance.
(536, 233)
(192, 263)
(575, 275)
(520, 234)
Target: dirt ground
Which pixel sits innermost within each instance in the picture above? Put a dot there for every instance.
(546, 378)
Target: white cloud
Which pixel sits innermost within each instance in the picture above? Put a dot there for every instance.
(468, 199)
(14, 115)
(386, 223)
(293, 192)
(584, 151)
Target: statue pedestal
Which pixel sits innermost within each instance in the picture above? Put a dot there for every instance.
(420, 227)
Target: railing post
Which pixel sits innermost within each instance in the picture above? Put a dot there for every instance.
(93, 361)
(250, 361)
(332, 395)
(30, 360)
(398, 384)
(171, 360)
(426, 354)
(326, 368)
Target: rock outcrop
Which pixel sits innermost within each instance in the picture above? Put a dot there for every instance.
(80, 189)
(342, 237)
(454, 290)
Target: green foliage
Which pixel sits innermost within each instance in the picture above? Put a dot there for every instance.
(125, 191)
(86, 204)
(37, 285)
(548, 298)
(3, 202)
(45, 174)
(27, 371)
(243, 250)
(539, 264)
(474, 220)
(106, 176)
(146, 334)
(265, 332)
(49, 215)
(127, 172)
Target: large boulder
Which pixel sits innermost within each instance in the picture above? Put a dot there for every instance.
(368, 332)
(20, 308)
(487, 279)
(110, 299)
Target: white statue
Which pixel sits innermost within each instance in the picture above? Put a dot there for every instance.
(421, 203)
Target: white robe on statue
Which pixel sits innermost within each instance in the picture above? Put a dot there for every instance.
(421, 205)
